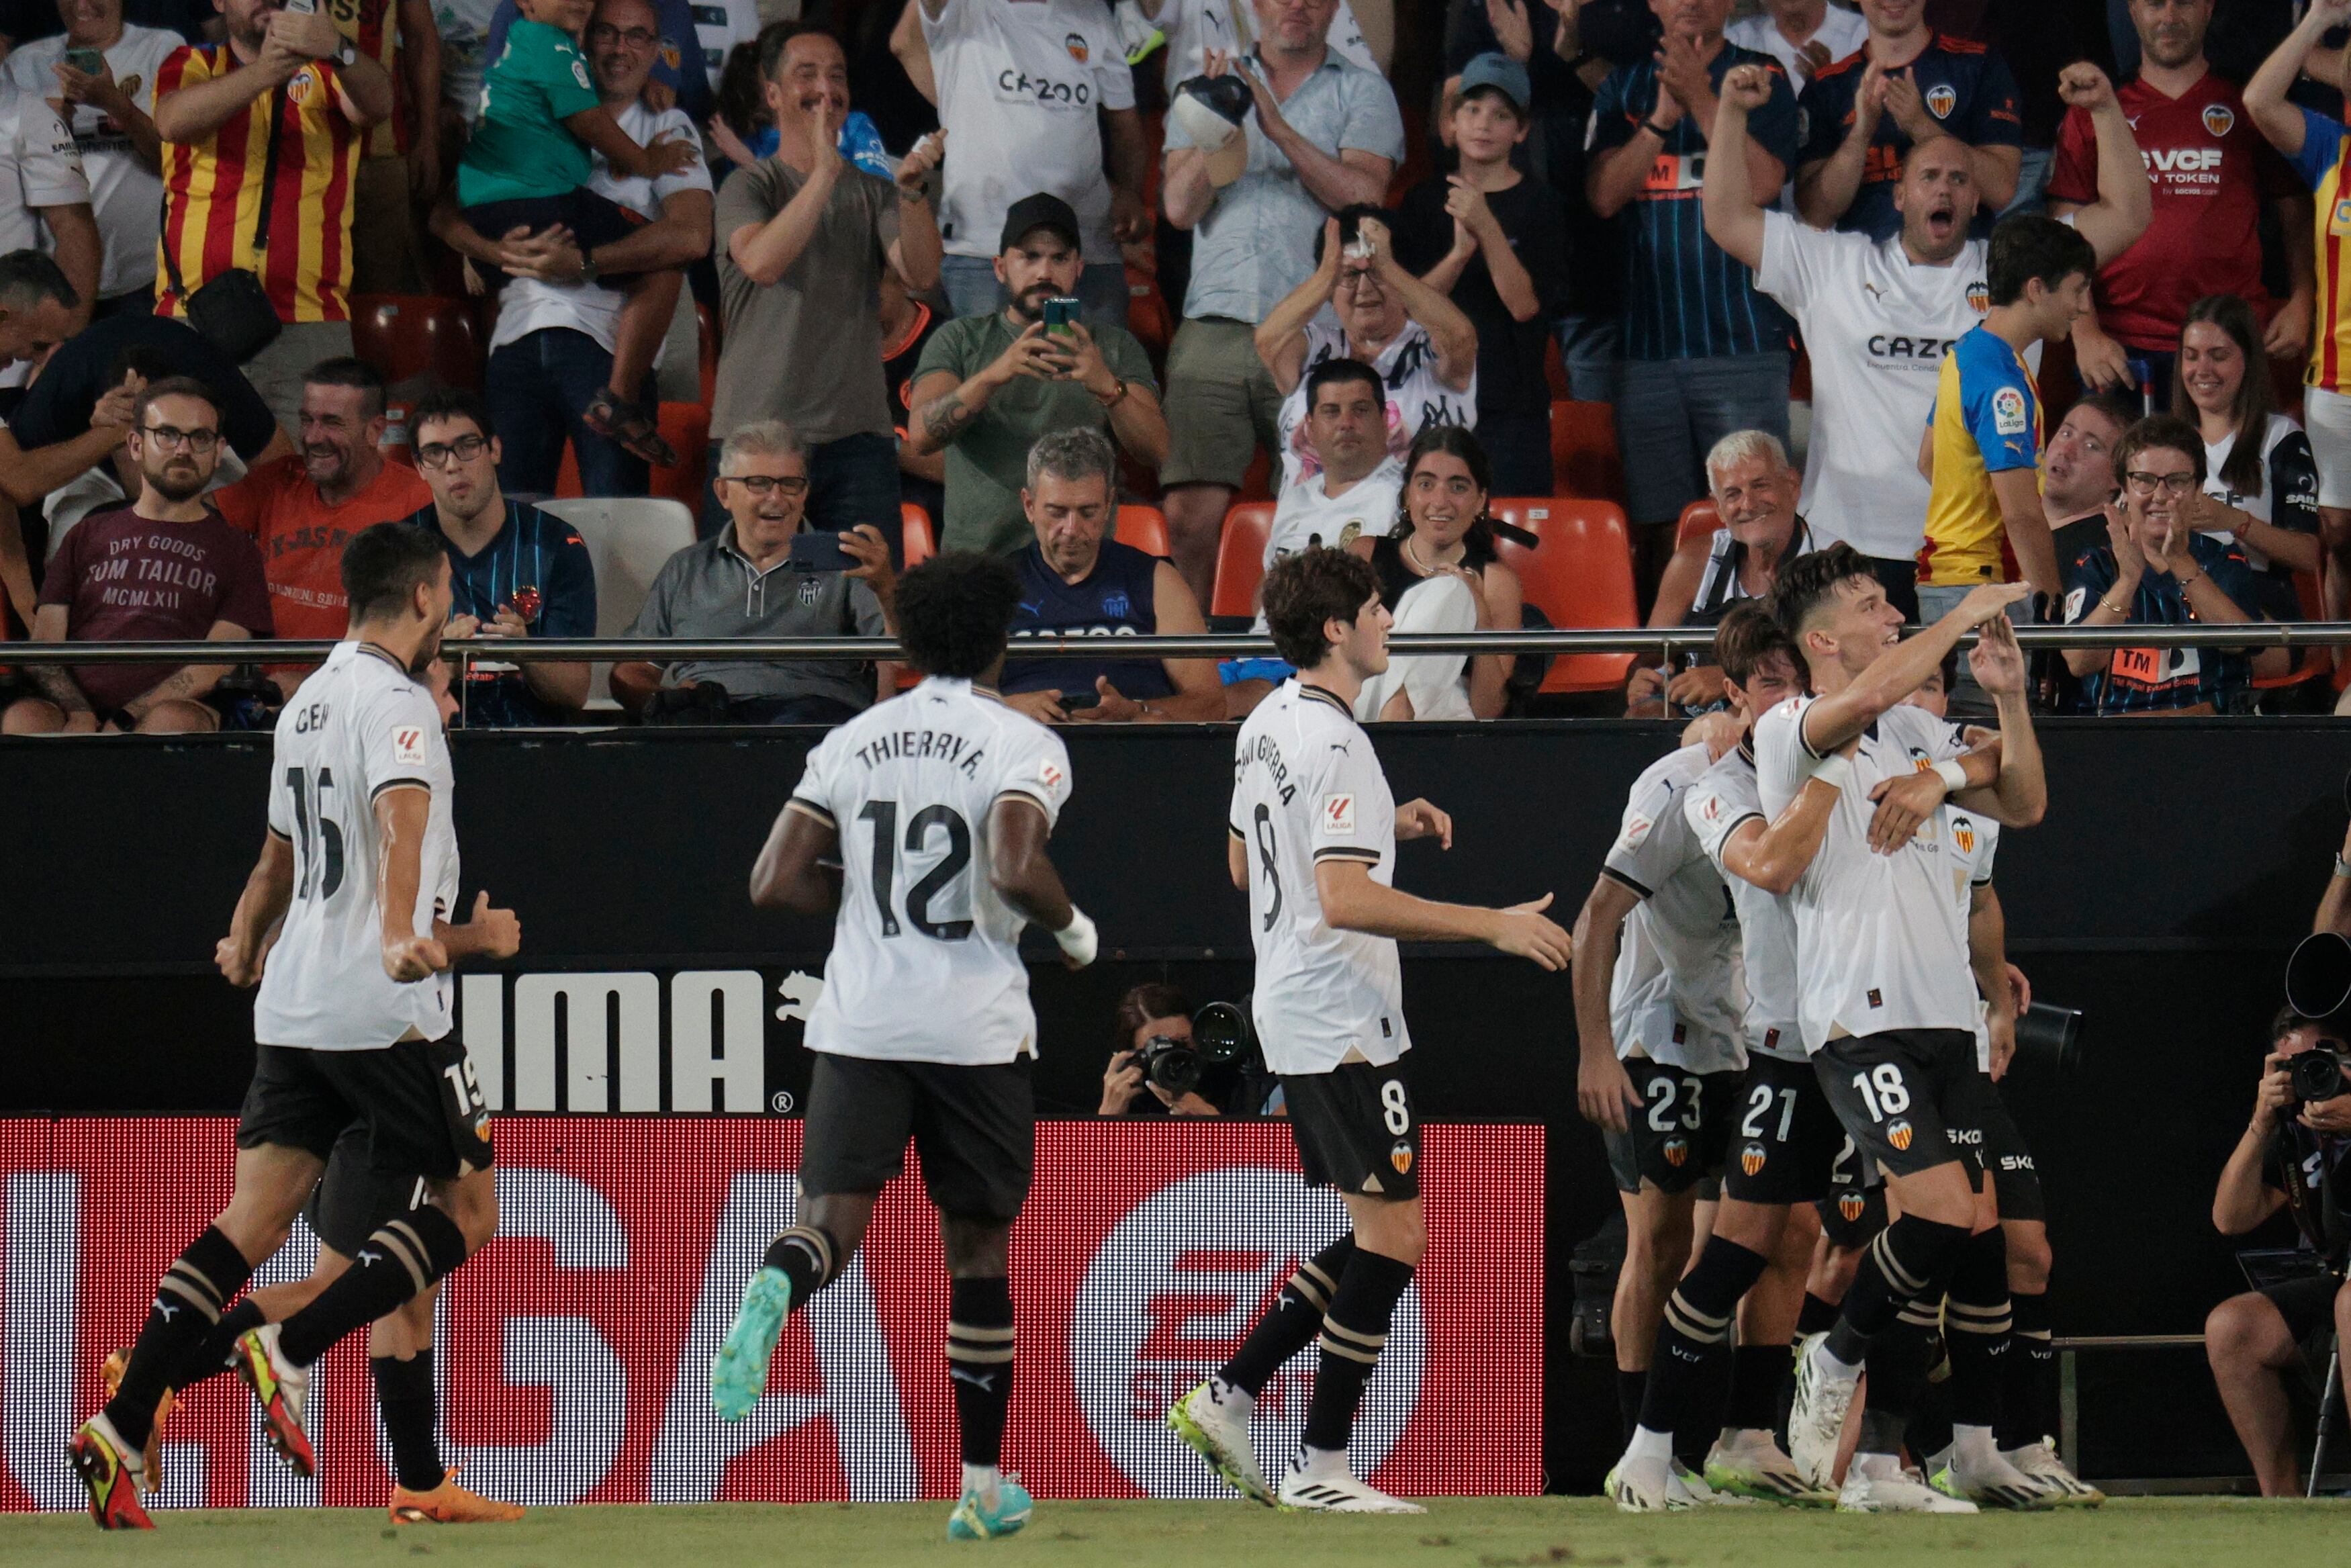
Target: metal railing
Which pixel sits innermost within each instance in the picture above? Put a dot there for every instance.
(1205, 645)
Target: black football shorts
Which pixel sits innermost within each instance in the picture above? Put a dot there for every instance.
(424, 1112)
(1783, 1136)
(1675, 1140)
(1903, 1095)
(1355, 1128)
(975, 1127)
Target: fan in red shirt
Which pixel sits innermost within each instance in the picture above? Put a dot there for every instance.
(2211, 174)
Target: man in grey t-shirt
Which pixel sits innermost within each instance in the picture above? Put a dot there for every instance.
(743, 582)
(802, 238)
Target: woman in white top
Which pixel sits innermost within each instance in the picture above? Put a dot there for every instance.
(1438, 574)
(2261, 483)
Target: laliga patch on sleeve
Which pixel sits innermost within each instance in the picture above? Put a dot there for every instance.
(1636, 830)
(2009, 416)
(2076, 598)
(1049, 774)
(1337, 814)
(408, 744)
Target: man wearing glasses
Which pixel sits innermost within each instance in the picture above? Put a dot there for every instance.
(163, 568)
(514, 570)
(2157, 570)
(551, 351)
(746, 580)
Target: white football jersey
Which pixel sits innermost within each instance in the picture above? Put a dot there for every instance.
(360, 726)
(1415, 395)
(1678, 994)
(1307, 786)
(925, 963)
(1881, 944)
(1723, 798)
(1975, 843)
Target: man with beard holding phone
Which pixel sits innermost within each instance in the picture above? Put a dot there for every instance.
(989, 386)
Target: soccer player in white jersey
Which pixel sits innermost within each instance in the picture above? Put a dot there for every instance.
(921, 825)
(2028, 1377)
(1877, 315)
(1313, 836)
(1786, 1138)
(1886, 999)
(1659, 999)
(344, 922)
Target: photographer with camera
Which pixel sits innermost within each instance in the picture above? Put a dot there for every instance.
(2291, 1157)
(1154, 1053)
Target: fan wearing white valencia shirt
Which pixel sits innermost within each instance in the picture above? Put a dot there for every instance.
(1786, 1136)
(45, 198)
(1878, 316)
(349, 905)
(1314, 829)
(552, 346)
(1424, 348)
(921, 827)
(1035, 96)
(1886, 1004)
(108, 113)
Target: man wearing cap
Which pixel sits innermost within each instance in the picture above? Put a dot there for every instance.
(989, 386)
(1253, 179)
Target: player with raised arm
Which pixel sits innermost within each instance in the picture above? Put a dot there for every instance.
(1784, 1137)
(1313, 830)
(348, 905)
(921, 826)
(1886, 1002)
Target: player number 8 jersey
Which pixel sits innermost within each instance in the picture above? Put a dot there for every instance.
(1307, 787)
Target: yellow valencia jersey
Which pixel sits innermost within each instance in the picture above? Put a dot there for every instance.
(1987, 419)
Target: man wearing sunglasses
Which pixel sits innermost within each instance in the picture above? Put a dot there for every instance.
(2156, 569)
(748, 581)
(514, 570)
(163, 568)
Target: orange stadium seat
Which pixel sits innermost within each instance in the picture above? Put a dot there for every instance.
(1258, 484)
(916, 542)
(1241, 558)
(687, 427)
(1583, 457)
(1699, 519)
(405, 335)
(1580, 577)
(1144, 529)
(1147, 315)
(2312, 662)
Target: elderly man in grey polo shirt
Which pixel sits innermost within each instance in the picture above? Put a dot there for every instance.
(743, 582)
(1321, 133)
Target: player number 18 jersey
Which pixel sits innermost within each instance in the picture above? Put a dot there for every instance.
(1308, 788)
(925, 963)
(360, 726)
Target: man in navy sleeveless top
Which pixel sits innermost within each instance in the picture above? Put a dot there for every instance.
(1076, 581)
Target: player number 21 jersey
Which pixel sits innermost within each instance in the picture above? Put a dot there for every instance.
(1308, 788)
(925, 963)
(358, 727)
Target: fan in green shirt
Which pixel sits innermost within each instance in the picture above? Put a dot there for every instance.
(528, 166)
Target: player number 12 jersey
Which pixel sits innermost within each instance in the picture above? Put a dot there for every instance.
(925, 963)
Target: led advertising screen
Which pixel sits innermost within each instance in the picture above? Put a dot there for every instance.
(573, 1351)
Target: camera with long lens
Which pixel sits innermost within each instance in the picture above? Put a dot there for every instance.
(2316, 1074)
(1221, 1033)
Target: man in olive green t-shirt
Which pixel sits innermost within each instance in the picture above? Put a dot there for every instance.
(988, 386)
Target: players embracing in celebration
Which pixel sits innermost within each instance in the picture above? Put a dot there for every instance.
(1888, 1008)
(1313, 830)
(921, 826)
(344, 922)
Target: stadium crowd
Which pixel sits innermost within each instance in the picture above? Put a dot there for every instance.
(1594, 321)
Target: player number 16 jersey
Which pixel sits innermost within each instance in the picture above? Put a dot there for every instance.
(925, 963)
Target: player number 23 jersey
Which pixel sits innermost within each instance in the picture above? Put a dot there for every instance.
(360, 725)
(925, 963)
(1308, 788)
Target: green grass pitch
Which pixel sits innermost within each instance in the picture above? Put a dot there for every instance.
(1514, 1532)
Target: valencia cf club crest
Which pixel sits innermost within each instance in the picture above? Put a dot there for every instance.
(2219, 119)
(1400, 1157)
(1117, 606)
(1979, 298)
(1751, 1159)
(1352, 531)
(1898, 1134)
(1677, 1152)
(810, 588)
(1849, 1206)
(1963, 836)
(1941, 99)
(1076, 44)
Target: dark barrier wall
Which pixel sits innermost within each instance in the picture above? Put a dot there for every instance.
(2179, 863)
